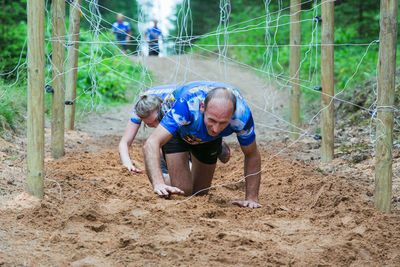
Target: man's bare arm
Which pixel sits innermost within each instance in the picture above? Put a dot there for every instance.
(151, 149)
(252, 167)
(128, 36)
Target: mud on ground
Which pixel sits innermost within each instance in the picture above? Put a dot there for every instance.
(96, 213)
(107, 216)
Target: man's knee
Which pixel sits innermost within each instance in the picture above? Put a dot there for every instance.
(184, 184)
(178, 169)
(188, 191)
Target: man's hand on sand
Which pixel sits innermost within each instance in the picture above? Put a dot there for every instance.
(165, 190)
(247, 203)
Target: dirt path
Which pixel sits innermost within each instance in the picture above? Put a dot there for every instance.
(107, 216)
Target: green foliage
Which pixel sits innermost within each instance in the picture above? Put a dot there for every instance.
(356, 22)
(105, 75)
(359, 17)
(13, 106)
(197, 18)
(108, 10)
(12, 34)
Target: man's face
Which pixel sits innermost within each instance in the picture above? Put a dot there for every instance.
(217, 116)
(120, 18)
(152, 119)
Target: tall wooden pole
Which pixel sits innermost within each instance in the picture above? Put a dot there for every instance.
(35, 134)
(327, 121)
(72, 62)
(295, 35)
(386, 84)
(58, 58)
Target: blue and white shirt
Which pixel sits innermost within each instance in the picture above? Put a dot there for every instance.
(154, 34)
(165, 92)
(121, 30)
(185, 117)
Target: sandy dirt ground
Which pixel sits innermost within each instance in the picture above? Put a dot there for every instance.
(96, 213)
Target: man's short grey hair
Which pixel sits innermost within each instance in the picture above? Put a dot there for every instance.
(220, 92)
(146, 105)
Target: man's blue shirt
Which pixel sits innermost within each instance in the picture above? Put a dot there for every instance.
(164, 92)
(121, 30)
(185, 117)
(154, 34)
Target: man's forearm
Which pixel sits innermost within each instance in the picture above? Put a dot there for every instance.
(252, 167)
(152, 163)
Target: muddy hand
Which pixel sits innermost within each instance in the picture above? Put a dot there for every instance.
(133, 169)
(165, 190)
(247, 203)
(136, 170)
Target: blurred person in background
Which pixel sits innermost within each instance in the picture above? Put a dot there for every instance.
(152, 36)
(123, 32)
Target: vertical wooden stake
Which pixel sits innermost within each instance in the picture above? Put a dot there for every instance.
(327, 67)
(58, 58)
(386, 83)
(72, 62)
(295, 38)
(35, 134)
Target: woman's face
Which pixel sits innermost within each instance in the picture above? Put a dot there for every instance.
(152, 119)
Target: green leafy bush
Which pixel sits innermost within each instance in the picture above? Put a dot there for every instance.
(105, 74)
(353, 63)
(13, 106)
(12, 35)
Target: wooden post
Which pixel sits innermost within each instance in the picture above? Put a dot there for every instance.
(295, 35)
(327, 120)
(35, 134)
(72, 62)
(386, 83)
(58, 58)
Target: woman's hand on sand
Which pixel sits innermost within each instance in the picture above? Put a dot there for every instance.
(133, 168)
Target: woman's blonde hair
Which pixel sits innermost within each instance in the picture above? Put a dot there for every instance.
(147, 104)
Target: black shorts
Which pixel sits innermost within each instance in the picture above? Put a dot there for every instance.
(123, 44)
(206, 153)
(154, 50)
(153, 53)
(125, 47)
